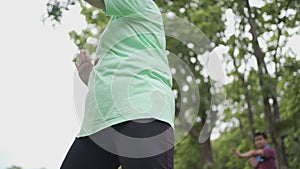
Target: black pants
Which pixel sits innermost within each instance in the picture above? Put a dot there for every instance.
(132, 145)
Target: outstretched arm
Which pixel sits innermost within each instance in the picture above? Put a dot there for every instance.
(97, 3)
(248, 154)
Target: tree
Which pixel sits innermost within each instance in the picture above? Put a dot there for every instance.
(270, 24)
(289, 86)
(14, 167)
(256, 58)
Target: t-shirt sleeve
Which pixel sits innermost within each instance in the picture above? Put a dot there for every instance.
(268, 153)
(124, 7)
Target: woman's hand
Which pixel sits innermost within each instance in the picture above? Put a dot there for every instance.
(84, 66)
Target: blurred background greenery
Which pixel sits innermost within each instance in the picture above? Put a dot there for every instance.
(263, 75)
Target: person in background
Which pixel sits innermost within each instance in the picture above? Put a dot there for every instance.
(263, 157)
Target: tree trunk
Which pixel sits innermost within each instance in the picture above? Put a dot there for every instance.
(271, 118)
(249, 106)
(281, 157)
(207, 159)
(244, 135)
(247, 97)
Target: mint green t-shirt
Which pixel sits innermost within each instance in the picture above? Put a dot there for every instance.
(132, 79)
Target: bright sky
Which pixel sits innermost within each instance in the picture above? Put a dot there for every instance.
(38, 120)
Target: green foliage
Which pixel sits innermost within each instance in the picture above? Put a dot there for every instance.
(290, 108)
(275, 22)
(223, 154)
(55, 9)
(205, 15)
(14, 167)
(96, 21)
(186, 149)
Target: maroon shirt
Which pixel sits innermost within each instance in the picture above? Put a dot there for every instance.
(268, 161)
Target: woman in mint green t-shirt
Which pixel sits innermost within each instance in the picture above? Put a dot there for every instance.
(129, 109)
